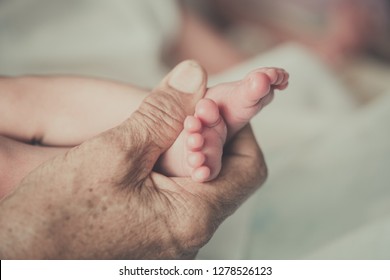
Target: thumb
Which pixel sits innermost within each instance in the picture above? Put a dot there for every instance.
(153, 128)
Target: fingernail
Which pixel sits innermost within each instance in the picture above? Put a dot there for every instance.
(187, 77)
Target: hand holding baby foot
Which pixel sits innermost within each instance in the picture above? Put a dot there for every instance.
(226, 109)
(102, 200)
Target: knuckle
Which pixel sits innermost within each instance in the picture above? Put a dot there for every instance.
(162, 114)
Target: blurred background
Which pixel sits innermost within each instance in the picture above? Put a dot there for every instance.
(350, 36)
(328, 192)
(326, 138)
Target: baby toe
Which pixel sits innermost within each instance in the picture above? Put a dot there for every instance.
(192, 124)
(196, 159)
(282, 86)
(201, 174)
(207, 112)
(258, 86)
(286, 77)
(195, 141)
(284, 80)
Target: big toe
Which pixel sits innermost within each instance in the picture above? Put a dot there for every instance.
(254, 87)
(207, 112)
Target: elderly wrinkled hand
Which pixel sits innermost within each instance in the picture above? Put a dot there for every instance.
(102, 199)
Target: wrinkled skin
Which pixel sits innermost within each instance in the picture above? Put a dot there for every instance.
(102, 199)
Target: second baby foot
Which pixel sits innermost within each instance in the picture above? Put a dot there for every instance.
(197, 152)
(239, 101)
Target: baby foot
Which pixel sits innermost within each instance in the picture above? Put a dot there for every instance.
(227, 108)
(239, 101)
(197, 152)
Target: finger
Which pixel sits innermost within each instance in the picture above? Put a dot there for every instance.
(243, 143)
(243, 172)
(156, 124)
